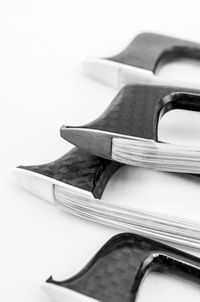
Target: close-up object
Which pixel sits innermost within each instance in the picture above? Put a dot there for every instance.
(76, 182)
(138, 62)
(100, 137)
(116, 272)
(127, 131)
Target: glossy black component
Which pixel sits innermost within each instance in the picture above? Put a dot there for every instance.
(79, 169)
(116, 272)
(135, 111)
(147, 50)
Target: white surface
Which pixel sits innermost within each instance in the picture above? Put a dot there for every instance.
(42, 87)
(60, 294)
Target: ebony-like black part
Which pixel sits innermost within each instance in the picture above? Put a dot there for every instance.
(147, 50)
(79, 169)
(116, 272)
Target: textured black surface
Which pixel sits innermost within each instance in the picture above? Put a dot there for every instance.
(116, 272)
(148, 49)
(79, 169)
(135, 111)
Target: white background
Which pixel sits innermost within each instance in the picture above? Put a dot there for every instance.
(42, 87)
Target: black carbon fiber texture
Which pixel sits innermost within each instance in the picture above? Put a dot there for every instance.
(136, 110)
(117, 270)
(79, 169)
(147, 50)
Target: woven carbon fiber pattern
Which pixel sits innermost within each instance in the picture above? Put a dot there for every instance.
(147, 50)
(130, 113)
(136, 110)
(116, 272)
(79, 169)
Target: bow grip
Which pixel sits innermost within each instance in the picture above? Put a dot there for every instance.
(116, 272)
(134, 112)
(147, 50)
(77, 169)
